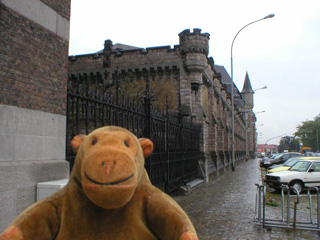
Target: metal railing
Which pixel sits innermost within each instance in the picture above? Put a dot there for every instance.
(176, 137)
(285, 221)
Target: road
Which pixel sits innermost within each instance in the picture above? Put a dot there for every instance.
(225, 208)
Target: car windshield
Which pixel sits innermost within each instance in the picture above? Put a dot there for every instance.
(273, 156)
(278, 156)
(300, 166)
(290, 162)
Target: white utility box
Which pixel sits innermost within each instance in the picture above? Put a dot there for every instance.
(45, 189)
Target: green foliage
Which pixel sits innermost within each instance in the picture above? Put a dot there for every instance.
(272, 204)
(289, 143)
(284, 143)
(294, 145)
(308, 132)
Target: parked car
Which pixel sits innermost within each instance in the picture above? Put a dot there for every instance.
(268, 158)
(281, 158)
(283, 167)
(287, 164)
(261, 154)
(316, 154)
(304, 173)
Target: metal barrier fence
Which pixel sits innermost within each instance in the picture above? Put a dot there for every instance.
(261, 219)
(176, 137)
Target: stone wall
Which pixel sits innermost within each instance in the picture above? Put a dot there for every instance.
(62, 7)
(34, 53)
(194, 73)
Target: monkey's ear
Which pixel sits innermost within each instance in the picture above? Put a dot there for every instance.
(147, 146)
(76, 142)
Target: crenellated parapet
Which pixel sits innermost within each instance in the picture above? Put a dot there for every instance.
(194, 49)
(194, 42)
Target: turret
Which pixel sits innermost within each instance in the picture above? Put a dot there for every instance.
(194, 49)
(247, 92)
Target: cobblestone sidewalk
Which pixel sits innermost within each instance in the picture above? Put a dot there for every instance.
(224, 209)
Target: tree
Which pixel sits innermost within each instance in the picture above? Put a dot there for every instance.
(308, 133)
(294, 145)
(289, 143)
(284, 143)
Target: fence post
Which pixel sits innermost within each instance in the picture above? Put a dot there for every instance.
(167, 144)
(70, 85)
(147, 105)
(181, 145)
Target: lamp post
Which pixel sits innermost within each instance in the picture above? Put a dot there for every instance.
(265, 87)
(232, 86)
(317, 134)
(274, 138)
(265, 145)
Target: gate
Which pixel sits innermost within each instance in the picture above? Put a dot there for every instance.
(91, 104)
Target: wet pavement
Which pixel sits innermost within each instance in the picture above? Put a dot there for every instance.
(225, 208)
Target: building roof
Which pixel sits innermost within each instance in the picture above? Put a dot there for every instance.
(226, 79)
(247, 85)
(120, 46)
(267, 146)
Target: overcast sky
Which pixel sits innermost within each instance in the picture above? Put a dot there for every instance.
(282, 53)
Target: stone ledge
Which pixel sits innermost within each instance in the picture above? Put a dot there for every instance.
(190, 186)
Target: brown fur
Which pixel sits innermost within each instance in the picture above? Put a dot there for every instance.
(108, 196)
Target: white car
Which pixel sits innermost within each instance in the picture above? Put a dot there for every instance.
(304, 173)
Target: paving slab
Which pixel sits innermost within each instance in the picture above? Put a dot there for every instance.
(225, 208)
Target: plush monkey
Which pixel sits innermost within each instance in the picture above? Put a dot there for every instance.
(109, 196)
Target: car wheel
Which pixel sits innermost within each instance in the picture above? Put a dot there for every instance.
(297, 185)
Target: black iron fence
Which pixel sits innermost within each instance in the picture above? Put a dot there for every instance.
(91, 104)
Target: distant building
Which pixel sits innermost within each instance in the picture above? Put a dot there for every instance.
(202, 87)
(267, 148)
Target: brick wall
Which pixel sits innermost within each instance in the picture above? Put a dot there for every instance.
(32, 58)
(33, 85)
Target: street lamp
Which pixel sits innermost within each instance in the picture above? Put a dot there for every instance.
(232, 86)
(265, 145)
(265, 87)
(274, 138)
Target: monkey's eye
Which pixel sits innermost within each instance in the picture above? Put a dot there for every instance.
(126, 143)
(94, 141)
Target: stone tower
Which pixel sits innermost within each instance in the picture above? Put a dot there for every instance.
(247, 93)
(194, 47)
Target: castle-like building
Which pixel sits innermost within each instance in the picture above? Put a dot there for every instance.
(33, 103)
(202, 88)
